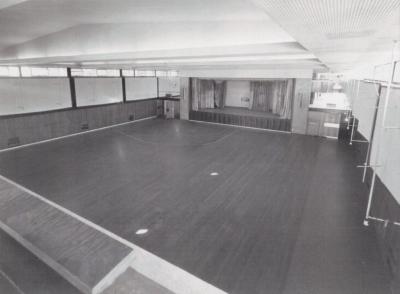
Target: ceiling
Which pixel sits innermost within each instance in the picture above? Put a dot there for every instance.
(343, 34)
(185, 34)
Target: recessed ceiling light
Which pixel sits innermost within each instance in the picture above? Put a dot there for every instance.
(214, 174)
(141, 231)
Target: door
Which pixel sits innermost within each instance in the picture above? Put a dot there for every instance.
(301, 101)
(184, 102)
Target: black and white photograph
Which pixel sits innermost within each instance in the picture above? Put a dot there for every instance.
(199, 146)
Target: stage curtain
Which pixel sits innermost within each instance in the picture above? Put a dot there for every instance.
(195, 94)
(202, 94)
(206, 94)
(273, 96)
(261, 94)
(287, 101)
(220, 94)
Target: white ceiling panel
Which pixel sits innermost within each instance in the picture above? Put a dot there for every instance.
(341, 33)
(128, 37)
(130, 32)
(34, 18)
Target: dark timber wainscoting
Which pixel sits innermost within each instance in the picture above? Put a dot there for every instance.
(271, 123)
(29, 128)
(384, 206)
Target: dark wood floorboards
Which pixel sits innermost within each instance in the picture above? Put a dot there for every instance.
(86, 254)
(26, 271)
(283, 216)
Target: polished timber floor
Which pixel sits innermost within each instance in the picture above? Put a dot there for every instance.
(284, 215)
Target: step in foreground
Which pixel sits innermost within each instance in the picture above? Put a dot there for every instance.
(88, 258)
(132, 282)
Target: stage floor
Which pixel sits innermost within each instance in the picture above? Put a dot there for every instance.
(283, 216)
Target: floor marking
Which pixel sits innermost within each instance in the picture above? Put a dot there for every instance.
(11, 282)
(236, 126)
(144, 262)
(177, 145)
(141, 231)
(75, 134)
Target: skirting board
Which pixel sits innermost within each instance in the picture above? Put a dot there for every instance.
(76, 134)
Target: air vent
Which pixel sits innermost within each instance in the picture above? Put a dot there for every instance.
(349, 35)
(14, 141)
(85, 126)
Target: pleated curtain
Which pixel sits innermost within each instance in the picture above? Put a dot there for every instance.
(208, 94)
(220, 94)
(272, 96)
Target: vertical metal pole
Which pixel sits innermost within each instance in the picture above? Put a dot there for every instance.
(353, 122)
(371, 138)
(349, 110)
(389, 86)
(123, 86)
(387, 96)
(72, 88)
(371, 192)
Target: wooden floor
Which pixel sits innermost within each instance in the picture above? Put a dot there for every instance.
(23, 273)
(284, 215)
(132, 282)
(83, 255)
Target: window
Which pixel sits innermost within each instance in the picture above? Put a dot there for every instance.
(161, 73)
(33, 95)
(98, 90)
(9, 71)
(57, 72)
(166, 73)
(84, 72)
(141, 88)
(172, 73)
(108, 73)
(27, 71)
(92, 72)
(128, 72)
(144, 73)
(383, 72)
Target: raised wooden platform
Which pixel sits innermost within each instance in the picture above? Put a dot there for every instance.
(132, 282)
(86, 257)
(244, 118)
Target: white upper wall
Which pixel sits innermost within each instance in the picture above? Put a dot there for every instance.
(169, 86)
(364, 107)
(237, 92)
(92, 91)
(385, 147)
(33, 95)
(140, 88)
